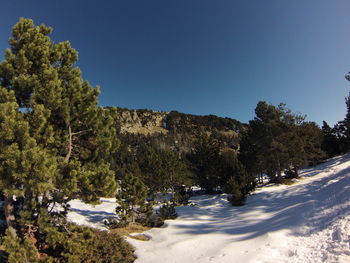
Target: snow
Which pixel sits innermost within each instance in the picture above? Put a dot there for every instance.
(92, 215)
(308, 221)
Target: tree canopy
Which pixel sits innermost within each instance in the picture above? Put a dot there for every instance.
(56, 143)
(278, 140)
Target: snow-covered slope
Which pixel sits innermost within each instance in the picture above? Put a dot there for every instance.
(305, 222)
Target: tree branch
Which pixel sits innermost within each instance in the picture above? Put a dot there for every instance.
(70, 143)
(80, 132)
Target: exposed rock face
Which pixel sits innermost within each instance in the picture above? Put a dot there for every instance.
(179, 130)
(142, 121)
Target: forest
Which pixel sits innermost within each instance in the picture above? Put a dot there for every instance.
(58, 144)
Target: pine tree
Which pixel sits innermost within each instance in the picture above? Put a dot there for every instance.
(55, 142)
(332, 144)
(238, 183)
(18, 250)
(163, 170)
(281, 140)
(26, 169)
(206, 163)
(61, 107)
(131, 195)
(342, 128)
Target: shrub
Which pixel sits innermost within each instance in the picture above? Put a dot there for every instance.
(167, 211)
(181, 196)
(115, 223)
(102, 247)
(235, 197)
(75, 244)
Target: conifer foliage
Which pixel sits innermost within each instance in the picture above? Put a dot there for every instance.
(55, 144)
(279, 141)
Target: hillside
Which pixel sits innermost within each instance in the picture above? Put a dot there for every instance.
(305, 222)
(177, 130)
(143, 121)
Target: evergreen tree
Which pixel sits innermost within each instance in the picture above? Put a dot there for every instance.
(280, 141)
(19, 250)
(26, 169)
(342, 128)
(55, 142)
(238, 182)
(61, 108)
(131, 195)
(206, 163)
(163, 170)
(330, 144)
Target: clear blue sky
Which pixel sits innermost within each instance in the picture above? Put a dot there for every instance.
(204, 57)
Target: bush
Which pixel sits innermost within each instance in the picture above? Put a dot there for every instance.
(236, 201)
(17, 250)
(75, 244)
(181, 196)
(236, 196)
(167, 211)
(115, 223)
(290, 174)
(102, 247)
(146, 215)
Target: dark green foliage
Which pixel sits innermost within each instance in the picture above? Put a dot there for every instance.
(236, 197)
(18, 250)
(110, 248)
(181, 195)
(166, 167)
(239, 183)
(337, 140)
(163, 169)
(346, 122)
(177, 121)
(206, 163)
(167, 211)
(61, 108)
(190, 153)
(61, 116)
(97, 246)
(333, 141)
(57, 147)
(131, 196)
(62, 242)
(215, 166)
(278, 140)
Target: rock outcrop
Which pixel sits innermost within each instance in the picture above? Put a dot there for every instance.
(142, 121)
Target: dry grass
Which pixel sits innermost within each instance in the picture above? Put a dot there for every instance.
(141, 237)
(290, 181)
(132, 228)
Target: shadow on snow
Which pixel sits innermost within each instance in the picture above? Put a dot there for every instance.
(315, 205)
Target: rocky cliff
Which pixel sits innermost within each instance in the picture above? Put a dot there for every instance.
(180, 130)
(142, 121)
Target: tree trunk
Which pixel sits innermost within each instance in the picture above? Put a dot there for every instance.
(9, 215)
(279, 172)
(70, 141)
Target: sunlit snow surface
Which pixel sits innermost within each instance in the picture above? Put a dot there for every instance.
(305, 222)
